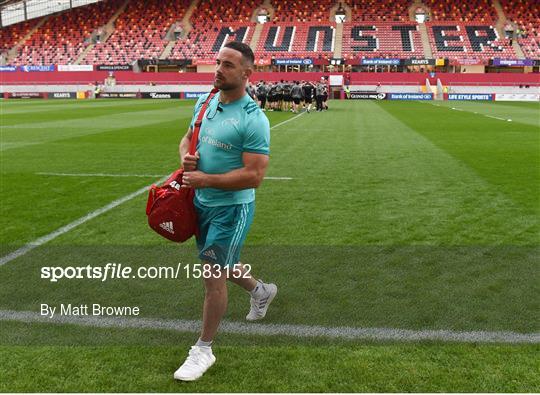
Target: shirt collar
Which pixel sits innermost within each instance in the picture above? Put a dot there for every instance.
(243, 100)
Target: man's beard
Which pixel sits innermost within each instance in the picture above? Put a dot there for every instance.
(224, 86)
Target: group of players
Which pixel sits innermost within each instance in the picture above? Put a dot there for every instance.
(288, 96)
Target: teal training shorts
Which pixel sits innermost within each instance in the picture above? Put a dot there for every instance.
(222, 231)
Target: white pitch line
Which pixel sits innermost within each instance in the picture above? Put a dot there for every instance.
(66, 228)
(98, 175)
(301, 331)
(473, 112)
(494, 117)
(152, 175)
(128, 175)
(286, 121)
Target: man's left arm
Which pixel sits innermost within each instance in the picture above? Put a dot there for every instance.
(249, 176)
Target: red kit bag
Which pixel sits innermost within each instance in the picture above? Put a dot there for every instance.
(170, 209)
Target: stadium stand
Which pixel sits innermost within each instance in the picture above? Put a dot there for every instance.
(309, 11)
(11, 35)
(382, 39)
(64, 36)
(378, 28)
(467, 40)
(526, 15)
(214, 24)
(139, 32)
(225, 11)
(478, 11)
(285, 39)
(207, 38)
(379, 10)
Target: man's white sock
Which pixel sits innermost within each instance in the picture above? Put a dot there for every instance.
(257, 292)
(202, 343)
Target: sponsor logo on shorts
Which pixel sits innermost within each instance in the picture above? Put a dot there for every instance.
(210, 254)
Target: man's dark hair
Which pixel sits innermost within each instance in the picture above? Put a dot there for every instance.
(244, 49)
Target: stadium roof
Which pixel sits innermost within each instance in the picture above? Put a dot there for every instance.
(14, 11)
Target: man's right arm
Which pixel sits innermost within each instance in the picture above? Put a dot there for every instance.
(189, 162)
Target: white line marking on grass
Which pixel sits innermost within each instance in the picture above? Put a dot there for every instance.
(66, 228)
(99, 175)
(286, 121)
(494, 117)
(302, 331)
(473, 112)
(127, 175)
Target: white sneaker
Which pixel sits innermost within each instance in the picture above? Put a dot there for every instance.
(260, 306)
(197, 362)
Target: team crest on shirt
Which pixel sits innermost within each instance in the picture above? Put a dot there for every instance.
(230, 121)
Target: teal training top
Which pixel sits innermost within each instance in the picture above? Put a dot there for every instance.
(239, 127)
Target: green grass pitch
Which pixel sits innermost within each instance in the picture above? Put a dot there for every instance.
(403, 215)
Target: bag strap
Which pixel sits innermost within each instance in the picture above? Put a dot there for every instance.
(198, 122)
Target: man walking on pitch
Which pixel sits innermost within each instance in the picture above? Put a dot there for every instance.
(230, 162)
